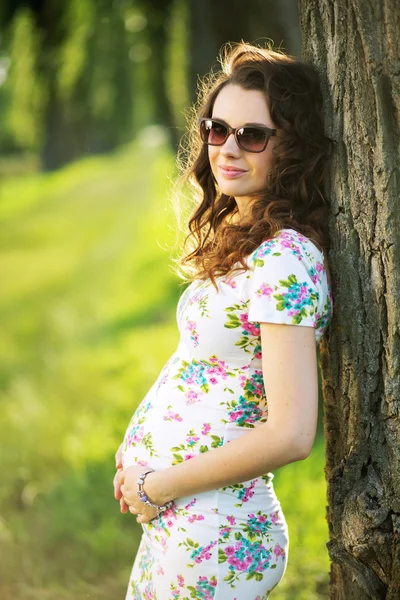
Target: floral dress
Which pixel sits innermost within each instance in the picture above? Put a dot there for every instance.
(230, 543)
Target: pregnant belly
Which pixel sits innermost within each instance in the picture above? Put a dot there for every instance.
(193, 407)
(178, 420)
(161, 433)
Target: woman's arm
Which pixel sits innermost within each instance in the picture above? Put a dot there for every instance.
(291, 385)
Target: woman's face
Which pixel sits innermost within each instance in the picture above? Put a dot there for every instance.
(237, 106)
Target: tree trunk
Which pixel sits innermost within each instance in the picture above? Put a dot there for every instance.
(159, 22)
(212, 24)
(355, 47)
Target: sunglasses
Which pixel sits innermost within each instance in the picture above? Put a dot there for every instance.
(252, 138)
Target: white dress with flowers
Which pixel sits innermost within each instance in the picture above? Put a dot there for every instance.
(230, 543)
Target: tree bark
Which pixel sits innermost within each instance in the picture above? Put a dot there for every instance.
(355, 47)
(212, 24)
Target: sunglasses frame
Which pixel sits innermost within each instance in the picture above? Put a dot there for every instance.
(234, 130)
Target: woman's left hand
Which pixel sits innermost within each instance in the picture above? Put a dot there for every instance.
(129, 488)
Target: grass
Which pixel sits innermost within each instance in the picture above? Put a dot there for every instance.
(88, 320)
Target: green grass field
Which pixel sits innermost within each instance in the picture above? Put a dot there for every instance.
(87, 306)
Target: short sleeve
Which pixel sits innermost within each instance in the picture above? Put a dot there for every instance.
(288, 282)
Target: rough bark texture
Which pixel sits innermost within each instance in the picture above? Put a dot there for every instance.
(355, 45)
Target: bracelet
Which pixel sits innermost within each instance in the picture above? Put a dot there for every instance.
(143, 498)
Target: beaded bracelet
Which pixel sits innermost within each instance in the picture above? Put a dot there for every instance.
(143, 498)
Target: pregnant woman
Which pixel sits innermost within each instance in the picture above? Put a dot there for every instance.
(239, 396)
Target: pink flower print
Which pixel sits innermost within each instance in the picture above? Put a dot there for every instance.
(225, 531)
(192, 503)
(191, 440)
(192, 397)
(221, 372)
(251, 328)
(229, 550)
(171, 416)
(194, 336)
(135, 435)
(181, 581)
(217, 371)
(189, 456)
(168, 518)
(213, 380)
(143, 463)
(206, 428)
(203, 553)
(236, 415)
(160, 570)
(197, 375)
(195, 517)
(231, 519)
(246, 493)
(149, 593)
(265, 290)
(314, 272)
(242, 380)
(303, 291)
(261, 518)
(275, 517)
(279, 551)
(289, 244)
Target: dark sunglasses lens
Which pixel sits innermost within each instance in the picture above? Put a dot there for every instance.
(212, 132)
(252, 138)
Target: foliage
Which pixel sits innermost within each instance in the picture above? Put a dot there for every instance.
(22, 98)
(83, 76)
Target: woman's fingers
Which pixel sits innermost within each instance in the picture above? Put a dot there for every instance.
(124, 506)
(118, 480)
(117, 490)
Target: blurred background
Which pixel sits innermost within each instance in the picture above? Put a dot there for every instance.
(93, 95)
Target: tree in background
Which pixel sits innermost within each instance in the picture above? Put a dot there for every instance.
(85, 75)
(75, 56)
(356, 47)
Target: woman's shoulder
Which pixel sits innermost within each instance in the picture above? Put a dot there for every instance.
(291, 246)
(288, 242)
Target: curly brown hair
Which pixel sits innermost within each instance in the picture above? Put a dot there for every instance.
(294, 195)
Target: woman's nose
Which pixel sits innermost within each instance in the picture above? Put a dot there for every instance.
(230, 146)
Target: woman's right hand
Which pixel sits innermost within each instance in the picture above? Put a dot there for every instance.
(117, 484)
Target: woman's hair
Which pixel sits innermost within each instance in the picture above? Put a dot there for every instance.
(294, 193)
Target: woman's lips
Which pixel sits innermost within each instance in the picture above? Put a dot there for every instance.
(231, 173)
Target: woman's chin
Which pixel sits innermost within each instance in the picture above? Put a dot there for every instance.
(230, 189)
